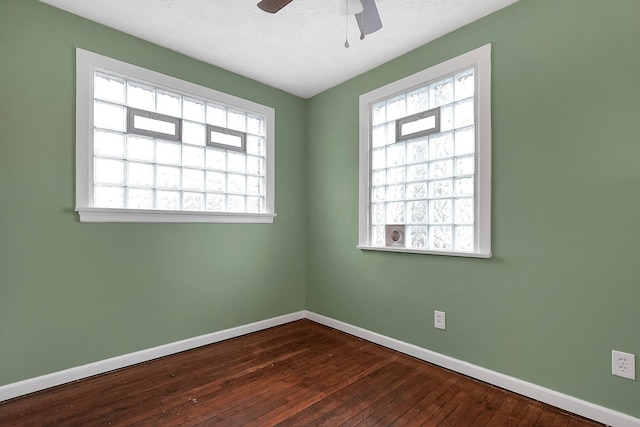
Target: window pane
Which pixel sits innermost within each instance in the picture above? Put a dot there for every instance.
(379, 113)
(216, 202)
(236, 184)
(108, 197)
(236, 162)
(255, 165)
(108, 144)
(193, 179)
(465, 165)
(255, 145)
(441, 146)
(139, 199)
(420, 125)
(193, 110)
(395, 213)
(255, 186)
(168, 177)
(417, 190)
(140, 148)
(383, 134)
(395, 192)
(255, 125)
(465, 141)
(236, 204)
(441, 93)
(378, 214)
(216, 115)
(418, 101)
(216, 182)
(168, 153)
(109, 116)
(154, 125)
(464, 187)
(379, 158)
(446, 118)
(379, 178)
(465, 85)
(168, 200)
(396, 175)
(216, 159)
(464, 211)
(193, 133)
(441, 238)
(396, 108)
(193, 156)
(109, 171)
(140, 174)
(255, 204)
(417, 212)
(396, 154)
(441, 169)
(236, 121)
(440, 211)
(378, 194)
(417, 237)
(193, 201)
(441, 188)
(464, 239)
(463, 112)
(377, 236)
(417, 172)
(225, 139)
(169, 104)
(142, 97)
(417, 151)
(109, 88)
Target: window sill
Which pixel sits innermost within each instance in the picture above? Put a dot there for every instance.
(158, 216)
(424, 251)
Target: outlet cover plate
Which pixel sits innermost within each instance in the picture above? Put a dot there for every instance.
(623, 364)
(439, 319)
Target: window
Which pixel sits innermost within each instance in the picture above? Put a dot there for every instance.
(153, 148)
(425, 161)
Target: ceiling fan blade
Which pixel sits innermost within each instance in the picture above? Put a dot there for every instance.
(272, 6)
(369, 19)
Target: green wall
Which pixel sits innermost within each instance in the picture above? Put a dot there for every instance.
(559, 294)
(563, 287)
(73, 293)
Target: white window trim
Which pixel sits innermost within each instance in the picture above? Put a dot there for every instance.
(87, 63)
(480, 58)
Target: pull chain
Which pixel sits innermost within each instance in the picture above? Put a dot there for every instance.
(346, 24)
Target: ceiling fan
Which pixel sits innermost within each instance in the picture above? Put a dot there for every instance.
(365, 11)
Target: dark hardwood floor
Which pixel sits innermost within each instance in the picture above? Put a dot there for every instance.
(298, 374)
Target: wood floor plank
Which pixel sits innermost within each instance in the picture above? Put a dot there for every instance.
(531, 415)
(470, 408)
(511, 412)
(298, 374)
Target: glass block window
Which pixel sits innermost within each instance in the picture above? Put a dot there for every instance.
(425, 161)
(163, 146)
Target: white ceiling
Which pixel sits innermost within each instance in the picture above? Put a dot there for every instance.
(300, 49)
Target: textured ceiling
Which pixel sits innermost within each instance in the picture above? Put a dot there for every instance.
(299, 49)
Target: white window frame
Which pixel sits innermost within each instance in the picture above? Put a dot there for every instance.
(87, 63)
(480, 60)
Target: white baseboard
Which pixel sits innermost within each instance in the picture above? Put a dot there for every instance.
(533, 391)
(560, 400)
(31, 385)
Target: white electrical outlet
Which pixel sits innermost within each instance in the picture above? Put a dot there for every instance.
(623, 364)
(439, 320)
